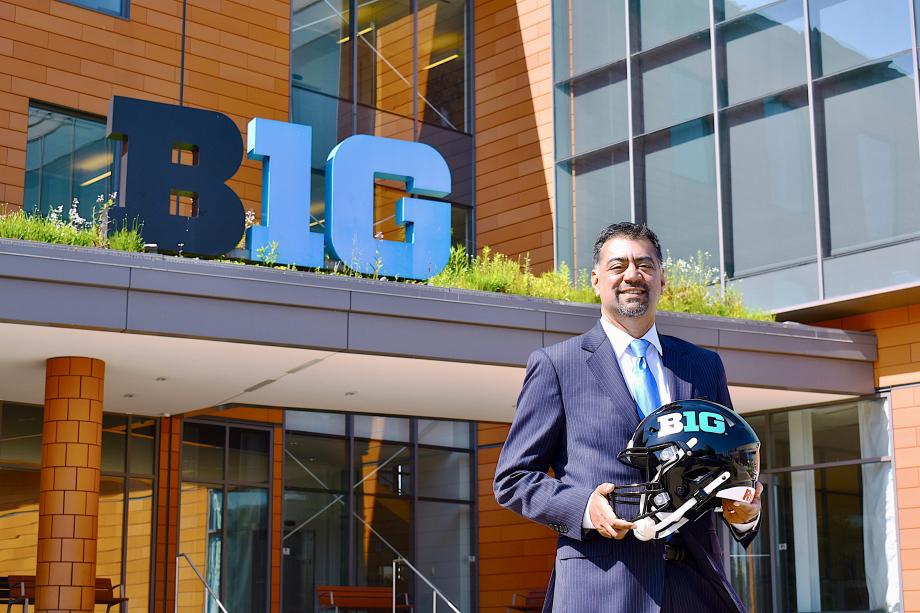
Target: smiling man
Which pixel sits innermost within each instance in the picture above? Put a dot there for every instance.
(582, 400)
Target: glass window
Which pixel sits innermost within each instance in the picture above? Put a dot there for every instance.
(379, 427)
(764, 52)
(443, 545)
(246, 543)
(727, 9)
(20, 434)
(443, 474)
(385, 56)
(203, 452)
(314, 462)
(18, 521)
(321, 47)
(444, 433)
(382, 468)
(600, 117)
(779, 288)
(116, 7)
(67, 158)
(771, 191)
(314, 547)
(676, 84)
(598, 34)
(565, 246)
(679, 190)
(143, 445)
(457, 150)
(853, 32)
(248, 455)
(139, 539)
(873, 170)
(391, 520)
(310, 421)
(111, 528)
(442, 64)
(114, 435)
(601, 198)
(664, 20)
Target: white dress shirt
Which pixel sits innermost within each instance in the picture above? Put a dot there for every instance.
(620, 340)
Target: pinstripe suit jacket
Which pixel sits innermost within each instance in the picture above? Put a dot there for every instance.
(574, 415)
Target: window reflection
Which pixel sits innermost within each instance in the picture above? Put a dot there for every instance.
(676, 84)
(385, 58)
(321, 46)
(598, 34)
(442, 63)
(664, 20)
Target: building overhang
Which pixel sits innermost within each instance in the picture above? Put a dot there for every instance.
(180, 335)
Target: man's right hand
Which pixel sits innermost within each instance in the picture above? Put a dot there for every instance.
(602, 516)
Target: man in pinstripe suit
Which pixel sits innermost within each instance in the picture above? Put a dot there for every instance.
(577, 409)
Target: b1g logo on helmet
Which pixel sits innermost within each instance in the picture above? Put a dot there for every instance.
(690, 421)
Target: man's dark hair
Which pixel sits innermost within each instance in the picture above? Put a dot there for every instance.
(626, 229)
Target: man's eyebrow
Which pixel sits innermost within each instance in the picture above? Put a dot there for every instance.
(620, 260)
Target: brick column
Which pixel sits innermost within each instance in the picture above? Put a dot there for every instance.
(69, 499)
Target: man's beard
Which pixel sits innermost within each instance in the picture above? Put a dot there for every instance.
(633, 309)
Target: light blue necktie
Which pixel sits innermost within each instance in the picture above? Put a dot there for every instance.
(647, 396)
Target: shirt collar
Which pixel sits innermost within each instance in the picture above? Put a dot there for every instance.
(621, 339)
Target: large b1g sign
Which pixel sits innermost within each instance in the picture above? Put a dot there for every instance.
(150, 178)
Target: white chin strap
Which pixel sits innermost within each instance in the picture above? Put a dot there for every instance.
(646, 529)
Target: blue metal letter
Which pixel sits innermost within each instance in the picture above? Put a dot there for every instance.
(284, 149)
(151, 131)
(350, 172)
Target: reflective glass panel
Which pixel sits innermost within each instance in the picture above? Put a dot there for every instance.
(321, 47)
(385, 56)
(382, 468)
(202, 452)
(727, 9)
(443, 432)
(771, 191)
(377, 426)
(676, 84)
(200, 536)
(118, 7)
(443, 547)
(443, 474)
(143, 445)
(873, 165)
(600, 107)
(314, 547)
(20, 434)
(314, 462)
(248, 455)
(749, 567)
(461, 227)
(601, 198)
(565, 246)
(853, 32)
(114, 436)
(664, 20)
(835, 434)
(764, 52)
(457, 150)
(442, 63)
(598, 33)
(18, 521)
(779, 288)
(111, 528)
(680, 193)
(67, 158)
(247, 556)
(391, 537)
(310, 421)
(140, 532)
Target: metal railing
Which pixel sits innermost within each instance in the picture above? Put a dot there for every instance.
(203, 582)
(435, 592)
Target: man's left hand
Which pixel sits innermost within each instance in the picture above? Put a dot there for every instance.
(738, 512)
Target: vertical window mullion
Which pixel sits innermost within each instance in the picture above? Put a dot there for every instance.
(816, 170)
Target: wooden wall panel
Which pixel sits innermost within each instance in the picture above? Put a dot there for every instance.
(237, 62)
(515, 555)
(514, 129)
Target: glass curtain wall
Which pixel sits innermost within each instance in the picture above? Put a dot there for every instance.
(391, 68)
(828, 538)
(696, 118)
(126, 498)
(223, 516)
(361, 491)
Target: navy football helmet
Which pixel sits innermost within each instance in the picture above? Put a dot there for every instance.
(693, 453)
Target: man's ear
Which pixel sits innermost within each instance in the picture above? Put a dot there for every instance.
(595, 279)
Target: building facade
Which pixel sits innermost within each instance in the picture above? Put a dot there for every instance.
(280, 432)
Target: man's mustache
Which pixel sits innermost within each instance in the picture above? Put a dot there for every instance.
(621, 290)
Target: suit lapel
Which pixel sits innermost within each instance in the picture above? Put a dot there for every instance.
(677, 369)
(602, 362)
